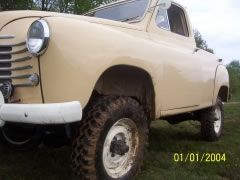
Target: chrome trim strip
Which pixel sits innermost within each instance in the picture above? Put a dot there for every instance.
(184, 107)
(16, 68)
(16, 60)
(13, 45)
(14, 52)
(6, 36)
(15, 77)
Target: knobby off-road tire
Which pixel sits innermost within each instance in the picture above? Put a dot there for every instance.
(112, 129)
(212, 122)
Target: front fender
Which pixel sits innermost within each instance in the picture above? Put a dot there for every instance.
(79, 52)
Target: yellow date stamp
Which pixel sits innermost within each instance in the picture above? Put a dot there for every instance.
(199, 157)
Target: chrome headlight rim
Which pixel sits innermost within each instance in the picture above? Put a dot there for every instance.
(45, 41)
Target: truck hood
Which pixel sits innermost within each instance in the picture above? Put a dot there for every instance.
(10, 16)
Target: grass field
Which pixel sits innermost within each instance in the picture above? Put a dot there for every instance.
(165, 140)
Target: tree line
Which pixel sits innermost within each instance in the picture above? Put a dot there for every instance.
(201, 43)
(234, 74)
(63, 6)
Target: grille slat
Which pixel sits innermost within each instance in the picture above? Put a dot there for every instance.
(13, 52)
(15, 60)
(6, 36)
(5, 56)
(13, 45)
(5, 64)
(25, 76)
(5, 49)
(16, 68)
(23, 85)
(9, 54)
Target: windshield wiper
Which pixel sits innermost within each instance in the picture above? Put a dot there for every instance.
(129, 19)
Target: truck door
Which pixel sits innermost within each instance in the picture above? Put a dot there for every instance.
(182, 78)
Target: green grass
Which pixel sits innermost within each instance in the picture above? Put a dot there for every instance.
(236, 97)
(165, 140)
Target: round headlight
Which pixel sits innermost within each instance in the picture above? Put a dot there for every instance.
(38, 37)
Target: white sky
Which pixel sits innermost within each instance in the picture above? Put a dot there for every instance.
(219, 23)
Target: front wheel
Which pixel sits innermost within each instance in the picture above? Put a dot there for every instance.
(111, 140)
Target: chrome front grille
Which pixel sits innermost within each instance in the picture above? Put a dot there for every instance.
(4, 63)
(13, 62)
(19, 70)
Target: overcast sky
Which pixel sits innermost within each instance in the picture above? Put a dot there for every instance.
(219, 23)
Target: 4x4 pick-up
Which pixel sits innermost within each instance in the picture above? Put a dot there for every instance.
(102, 78)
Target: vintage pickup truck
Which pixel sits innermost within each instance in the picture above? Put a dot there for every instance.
(101, 78)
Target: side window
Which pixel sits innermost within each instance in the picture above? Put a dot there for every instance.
(162, 19)
(173, 20)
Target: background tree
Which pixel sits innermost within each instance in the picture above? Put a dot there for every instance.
(234, 74)
(64, 6)
(200, 42)
(16, 4)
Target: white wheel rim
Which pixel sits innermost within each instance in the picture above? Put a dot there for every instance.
(123, 130)
(218, 121)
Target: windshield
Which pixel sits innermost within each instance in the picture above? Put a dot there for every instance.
(126, 11)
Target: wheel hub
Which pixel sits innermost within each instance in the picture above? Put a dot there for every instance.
(218, 120)
(119, 147)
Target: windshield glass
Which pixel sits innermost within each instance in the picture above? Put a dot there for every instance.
(126, 11)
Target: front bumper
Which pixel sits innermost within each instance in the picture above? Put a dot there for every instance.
(59, 113)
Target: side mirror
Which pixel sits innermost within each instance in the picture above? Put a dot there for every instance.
(164, 4)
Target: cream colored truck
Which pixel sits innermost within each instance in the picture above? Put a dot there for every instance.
(102, 78)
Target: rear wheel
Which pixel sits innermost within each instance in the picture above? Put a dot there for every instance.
(212, 122)
(20, 137)
(111, 140)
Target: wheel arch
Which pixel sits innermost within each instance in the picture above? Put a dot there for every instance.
(224, 93)
(127, 80)
(221, 84)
